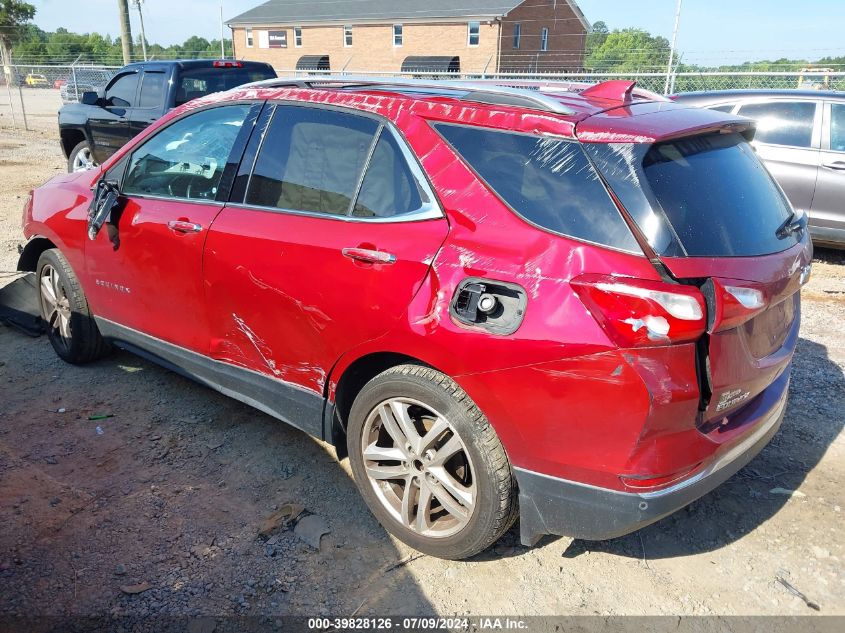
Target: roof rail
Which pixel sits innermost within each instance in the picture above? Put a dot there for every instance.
(478, 90)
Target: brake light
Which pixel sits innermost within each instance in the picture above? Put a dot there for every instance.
(639, 312)
(735, 304)
(227, 64)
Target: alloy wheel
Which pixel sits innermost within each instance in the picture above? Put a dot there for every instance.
(84, 160)
(55, 306)
(419, 467)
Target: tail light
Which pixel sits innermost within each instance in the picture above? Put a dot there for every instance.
(735, 304)
(227, 64)
(643, 313)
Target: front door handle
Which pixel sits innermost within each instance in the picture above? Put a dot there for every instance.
(837, 165)
(369, 256)
(184, 226)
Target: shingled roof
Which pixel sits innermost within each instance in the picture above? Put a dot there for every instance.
(362, 11)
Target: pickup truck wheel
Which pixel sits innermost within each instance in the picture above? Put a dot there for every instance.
(64, 310)
(428, 463)
(81, 158)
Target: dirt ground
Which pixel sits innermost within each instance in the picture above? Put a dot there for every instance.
(171, 489)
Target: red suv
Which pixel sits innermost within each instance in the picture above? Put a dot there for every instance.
(575, 305)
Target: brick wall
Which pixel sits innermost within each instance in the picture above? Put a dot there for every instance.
(567, 38)
(372, 46)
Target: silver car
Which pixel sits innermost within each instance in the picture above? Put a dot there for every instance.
(801, 138)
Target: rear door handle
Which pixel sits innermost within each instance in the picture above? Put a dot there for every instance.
(837, 165)
(369, 256)
(183, 226)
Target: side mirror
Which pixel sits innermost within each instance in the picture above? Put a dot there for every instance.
(89, 97)
(106, 196)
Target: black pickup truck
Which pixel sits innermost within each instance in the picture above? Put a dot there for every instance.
(137, 95)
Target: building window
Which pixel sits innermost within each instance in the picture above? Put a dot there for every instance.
(517, 34)
(297, 36)
(544, 39)
(249, 40)
(473, 33)
(347, 35)
(397, 35)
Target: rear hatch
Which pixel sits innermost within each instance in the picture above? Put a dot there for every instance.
(708, 213)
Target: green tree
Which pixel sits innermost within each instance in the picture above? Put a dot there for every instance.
(14, 14)
(628, 50)
(597, 36)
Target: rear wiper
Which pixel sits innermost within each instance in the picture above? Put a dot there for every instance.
(796, 222)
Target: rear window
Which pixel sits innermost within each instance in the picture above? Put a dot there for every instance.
(548, 182)
(194, 83)
(701, 196)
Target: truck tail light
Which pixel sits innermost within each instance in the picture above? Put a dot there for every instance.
(735, 304)
(643, 313)
(227, 64)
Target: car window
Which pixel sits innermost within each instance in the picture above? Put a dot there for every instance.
(152, 90)
(186, 159)
(311, 159)
(194, 83)
(837, 127)
(121, 94)
(783, 122)
(725, 107)
(549, 182)
(698, 196)
(389, 188)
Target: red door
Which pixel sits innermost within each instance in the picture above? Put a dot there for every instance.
(145, 267)
(322, 256)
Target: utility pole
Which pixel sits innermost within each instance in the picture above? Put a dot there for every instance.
(125, 31)
(138, 4)
(672, 49)
(222, 39)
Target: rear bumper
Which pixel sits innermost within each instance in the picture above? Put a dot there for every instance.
(549, 505)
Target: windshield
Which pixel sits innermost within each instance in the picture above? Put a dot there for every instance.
(699, 196)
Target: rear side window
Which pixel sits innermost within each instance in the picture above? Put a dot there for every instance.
(783, 122)
(152, 91)
(389, 187)
(194, 83)
(548, 182)
(725, 107)
(311, 159)
(701, 196)
(837, 127)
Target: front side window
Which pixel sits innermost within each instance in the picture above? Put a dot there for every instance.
(186, 159)
(517, 34)
(397, 35)
(473, 33)
(152, 90)
(544, 39)
(249, 40)
(347, 35)
(548, 182)
(297, 36)
(837, 127)
(121, 93)
(783, 122)
(311, 160)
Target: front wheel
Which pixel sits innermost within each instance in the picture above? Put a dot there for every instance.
(64, 310)
(81, 158)
(428, 464)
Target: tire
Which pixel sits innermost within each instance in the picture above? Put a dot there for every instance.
(485, 503)
(81, 158)
(70, 326)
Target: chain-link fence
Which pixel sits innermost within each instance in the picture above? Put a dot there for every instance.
(36, 92)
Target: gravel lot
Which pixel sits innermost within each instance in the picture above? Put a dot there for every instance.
(171, 491)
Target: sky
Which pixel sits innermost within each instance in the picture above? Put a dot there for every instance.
(711, 31)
